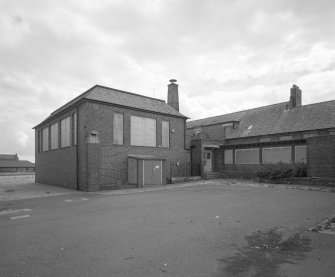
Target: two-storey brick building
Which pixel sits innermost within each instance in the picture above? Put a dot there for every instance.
(109, 139)
(238, 144)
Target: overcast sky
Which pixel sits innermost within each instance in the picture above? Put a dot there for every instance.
(226, 55)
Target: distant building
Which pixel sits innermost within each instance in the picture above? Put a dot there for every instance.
(110, 139)
(239, 143)
(12, 164)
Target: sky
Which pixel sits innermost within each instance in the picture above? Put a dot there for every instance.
(226, 55)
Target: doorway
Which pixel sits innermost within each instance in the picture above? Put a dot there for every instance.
(209, 161)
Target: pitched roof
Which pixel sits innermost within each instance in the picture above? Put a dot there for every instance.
(12, 163)
(275, 119)
(8, 157)
(121, 98)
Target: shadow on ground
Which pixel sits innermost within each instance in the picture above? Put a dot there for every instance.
(264, 254)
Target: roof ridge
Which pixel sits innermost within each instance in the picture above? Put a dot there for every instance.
(123, 91)
(281, 103)
(314, 104)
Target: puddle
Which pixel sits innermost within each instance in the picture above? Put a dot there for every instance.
(264, 254)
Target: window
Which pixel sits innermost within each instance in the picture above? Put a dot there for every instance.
(39, 141)
(54, 136)
(118, 128)
(228, 156)
(300, 154)
(276, 154)
(45, 139)
(247, 156)
(74, 129)
(65, 132)
(166, 134)
(143, 131)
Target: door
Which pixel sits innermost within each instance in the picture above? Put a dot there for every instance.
(152, 172)
(209, 161)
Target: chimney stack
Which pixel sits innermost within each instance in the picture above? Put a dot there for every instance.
(295, 98)
(173, 98)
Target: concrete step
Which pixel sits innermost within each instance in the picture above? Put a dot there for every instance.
(213, 175)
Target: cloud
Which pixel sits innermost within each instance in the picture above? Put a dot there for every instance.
(226, 55)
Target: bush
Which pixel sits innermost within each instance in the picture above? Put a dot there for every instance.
(282, 171)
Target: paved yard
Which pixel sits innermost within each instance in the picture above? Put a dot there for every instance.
(23, 186)
(187, 231)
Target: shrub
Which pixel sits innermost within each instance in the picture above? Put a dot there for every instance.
(281, 171)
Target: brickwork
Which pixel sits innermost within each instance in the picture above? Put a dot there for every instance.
(107, 166)
(56, 167)
(321, 156)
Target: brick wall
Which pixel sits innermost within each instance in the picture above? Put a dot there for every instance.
(107, 163)
(56, 167)
(321, 156)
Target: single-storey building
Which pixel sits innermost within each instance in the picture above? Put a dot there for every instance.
(110, 139)
(10, 163)
(239, 143)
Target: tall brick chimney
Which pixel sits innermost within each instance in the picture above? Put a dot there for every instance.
(173, 98)
(295, 98)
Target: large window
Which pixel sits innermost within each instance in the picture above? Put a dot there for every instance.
(275, 155)
(142, 131)
(228, 156)
(74, 129)
(65, 132)
(247, 156)
(45, 139)
(165, 134)
(54, 136)
(300, 154)
(118, 128)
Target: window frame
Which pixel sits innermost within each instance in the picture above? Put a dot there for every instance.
(68, 140)
(45, 139)
(132, 117)
(278, 147)
(295, 153)
(74, 129)
(247, 149)
(114, 126)
(54, 142)
(232, 156)
(168, 134)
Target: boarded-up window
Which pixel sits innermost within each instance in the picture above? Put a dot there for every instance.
(118, 128)
(74, 129)
(65, 132)
(39, 141)
(165, 134)
(247, 156)
(54, 136)
(228, 156)
(300, 154)
(45, 139)
(142, 131)
(276, 154)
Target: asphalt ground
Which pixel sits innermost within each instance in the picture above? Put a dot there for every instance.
(205, 229)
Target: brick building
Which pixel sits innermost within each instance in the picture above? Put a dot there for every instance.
(109, 139)
(238, 144)
(12, 164)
